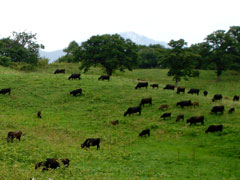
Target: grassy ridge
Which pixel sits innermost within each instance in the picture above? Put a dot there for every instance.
(173, 151)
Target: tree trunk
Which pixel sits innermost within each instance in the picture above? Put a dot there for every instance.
(219, 72)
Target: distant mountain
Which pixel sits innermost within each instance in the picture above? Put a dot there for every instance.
(138, 39)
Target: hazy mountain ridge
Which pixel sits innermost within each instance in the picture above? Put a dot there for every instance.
(138, 39)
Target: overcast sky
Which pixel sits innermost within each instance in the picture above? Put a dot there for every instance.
(58, 22)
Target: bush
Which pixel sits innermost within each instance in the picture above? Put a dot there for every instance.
(21, 66)
(43, 62)
(5, 61)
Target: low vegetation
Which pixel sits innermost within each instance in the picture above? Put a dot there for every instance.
(174, 150)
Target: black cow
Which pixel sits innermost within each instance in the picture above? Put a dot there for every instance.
(76, 92)
(217, 109)
(205, 93)
(154, 86)
(142, 84)
(91, 142)
(39, 114)
(196, 119)
(165, 115)
(217, 97)
(12, 135)
(236, 98)
(58, 71)
(133, 110)
(5, 91)
(75, 76)
(145, 133)
(146, 101)
(231, 110)
(169, 86)
(184, 103)
(52, 163)
(180, 117)
(214, 128)
(180, 89)
(104, 77)
(194, 91)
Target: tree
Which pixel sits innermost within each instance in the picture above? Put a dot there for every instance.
(71, 53)
(180, 61)
(111, 52)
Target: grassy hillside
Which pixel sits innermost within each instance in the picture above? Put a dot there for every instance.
(173, 151)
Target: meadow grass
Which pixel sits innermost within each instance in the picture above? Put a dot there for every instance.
(173, 151)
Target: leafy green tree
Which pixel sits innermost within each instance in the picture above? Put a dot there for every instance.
(71, 53)
(111, 52)
(180, 61)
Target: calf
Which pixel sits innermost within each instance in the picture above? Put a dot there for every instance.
(5, 91)
(180, 117)
(184, 103)
(142, 84)
(162, 107)
(216, 109)
(205, 93)
(39, 114)
(133, 110)
(214, 128)
(52, 163)
(194, 91)
(165, 115)
(104, 77)
(145, 133)
(195, 104)
(236, 98)
(75, 76)
(180, 89)
(146, 101)
(154, 86)
(217, 97)
(91, 142)
(196, 119)
(12, 135)
(76, 92)
(231, 110)
(58, 71)
(169, 86)
(114, 122)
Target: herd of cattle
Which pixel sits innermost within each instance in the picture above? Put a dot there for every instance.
(54, 163)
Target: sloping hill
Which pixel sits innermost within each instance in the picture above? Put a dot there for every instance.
(173, 151)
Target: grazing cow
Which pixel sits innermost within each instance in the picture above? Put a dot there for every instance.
(114, 122)
(205, 93)
(75, 76)
(231, 110)
(217, 97)
(145, 133)
(163, 107)
(194, 91)
(12, 135)
(52, 163)
(133, 110)
(142, 84)
(184, 103)
(91, 142)
(217, 109)
(146, 101)
(196, 119)
(5, 91)
(39, 114)
(169, 86)
(195, 104)
(236, 98)
(214, 128)
(180, 89)
(76, 92)
(165, 115)
(104, 77)
(154, 86)
(59, 71)
(180, 117)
